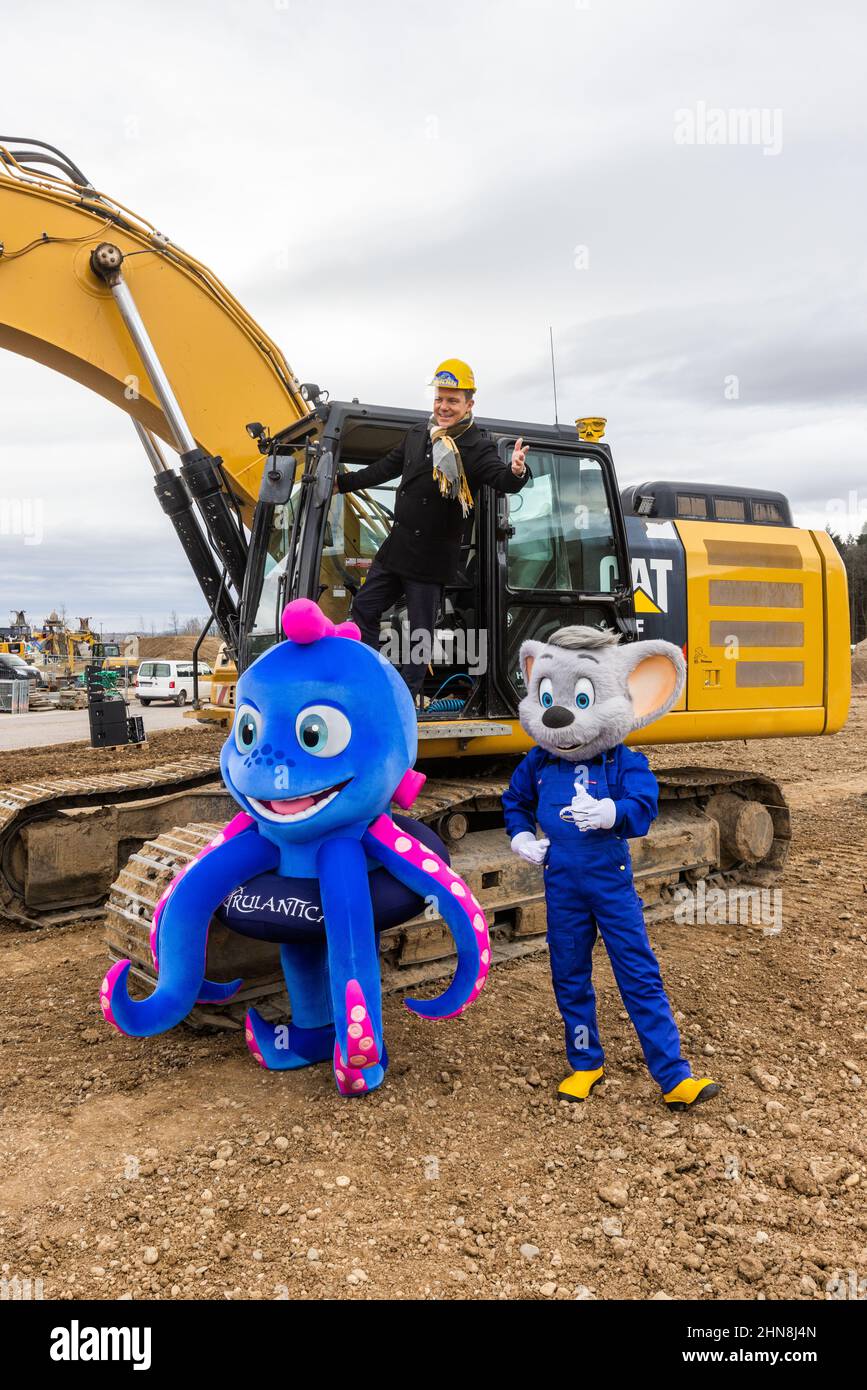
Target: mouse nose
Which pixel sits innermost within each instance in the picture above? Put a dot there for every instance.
(557, 717)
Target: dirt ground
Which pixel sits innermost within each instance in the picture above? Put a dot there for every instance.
(178, 648)
(78, 759)
(175, 1168)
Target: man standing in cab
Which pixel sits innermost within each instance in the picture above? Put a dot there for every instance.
(441, 463)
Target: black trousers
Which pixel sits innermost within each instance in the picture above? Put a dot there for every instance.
(383, 588)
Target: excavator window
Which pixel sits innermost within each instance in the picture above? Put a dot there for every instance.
(266, 625)
(730, 508)
(358, 523)
(690, 507)
(560, 542)
(766, 513)
(562, 535)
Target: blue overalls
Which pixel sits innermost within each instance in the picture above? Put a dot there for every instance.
(589, 885)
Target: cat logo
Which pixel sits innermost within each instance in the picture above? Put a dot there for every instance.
(643, 602)
(650, 584)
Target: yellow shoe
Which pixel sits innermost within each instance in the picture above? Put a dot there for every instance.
(691, 1091)
(578, 1086)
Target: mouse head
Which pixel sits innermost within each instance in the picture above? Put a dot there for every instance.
(585, 693)
(324, 732)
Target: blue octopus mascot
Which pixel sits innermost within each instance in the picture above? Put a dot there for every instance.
(323, 741)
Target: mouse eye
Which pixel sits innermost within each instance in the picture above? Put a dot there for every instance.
(546, 693)
(584, 693)
(248, 726)
(322, 730)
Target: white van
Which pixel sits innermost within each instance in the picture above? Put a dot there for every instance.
(170, 680)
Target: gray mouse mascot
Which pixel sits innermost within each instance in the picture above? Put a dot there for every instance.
(589, 793)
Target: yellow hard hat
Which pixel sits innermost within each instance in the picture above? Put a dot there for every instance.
(454, 373)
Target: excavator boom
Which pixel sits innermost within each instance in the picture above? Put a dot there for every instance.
(223, 367)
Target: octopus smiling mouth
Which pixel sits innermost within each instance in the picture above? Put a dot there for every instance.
(296, 808)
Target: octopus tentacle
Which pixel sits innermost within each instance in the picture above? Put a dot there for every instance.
(184, 935)
(353, 955)
(238, 823)
(285, 1046)
(309, 1037)
(421, 869)
(211, 992)
(358, 1081)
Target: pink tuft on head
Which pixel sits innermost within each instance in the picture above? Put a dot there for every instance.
(408, 788)
(303, 621)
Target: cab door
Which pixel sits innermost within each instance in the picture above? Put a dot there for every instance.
(560, 554)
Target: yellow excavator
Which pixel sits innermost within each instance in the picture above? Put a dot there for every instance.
(244, 458)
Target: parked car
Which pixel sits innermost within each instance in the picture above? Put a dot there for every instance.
(168, 680)
(14, 667)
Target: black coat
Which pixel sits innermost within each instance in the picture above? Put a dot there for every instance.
(425, 538)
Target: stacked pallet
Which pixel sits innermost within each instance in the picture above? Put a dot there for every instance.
(40, 700)
(70, 698)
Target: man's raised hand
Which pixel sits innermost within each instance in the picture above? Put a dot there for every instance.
(519, 458)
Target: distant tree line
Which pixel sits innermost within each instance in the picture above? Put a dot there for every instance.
(176, 627)
(185, 627)
(854, 553)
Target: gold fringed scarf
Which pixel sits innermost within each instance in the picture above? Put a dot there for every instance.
(448, 468)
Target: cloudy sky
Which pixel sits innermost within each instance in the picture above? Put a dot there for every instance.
(385, 184)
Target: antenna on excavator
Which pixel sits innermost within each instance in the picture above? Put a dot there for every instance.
(553, 374)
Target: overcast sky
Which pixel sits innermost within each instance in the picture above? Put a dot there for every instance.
(389, 183)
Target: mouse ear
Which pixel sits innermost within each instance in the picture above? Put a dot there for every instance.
(527, 655)
(655, 675)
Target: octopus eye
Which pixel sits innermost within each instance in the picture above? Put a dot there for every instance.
(584, 693)
(546, 693)
(247, 728)
(322, 730)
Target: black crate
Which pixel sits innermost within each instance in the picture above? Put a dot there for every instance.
(108, 723)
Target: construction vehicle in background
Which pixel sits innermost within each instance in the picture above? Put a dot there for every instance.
(66, 649)
(758, 605)
(17, 638)
(57, 649)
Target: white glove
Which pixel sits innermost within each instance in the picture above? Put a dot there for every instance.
(528, 847)
(590, 814)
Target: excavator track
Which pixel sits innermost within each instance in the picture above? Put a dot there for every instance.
(712, 824)
(62, 840)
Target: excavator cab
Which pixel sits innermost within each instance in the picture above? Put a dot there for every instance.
(554, 553)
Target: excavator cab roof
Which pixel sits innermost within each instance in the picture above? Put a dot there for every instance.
(667, 501)
(367, 424)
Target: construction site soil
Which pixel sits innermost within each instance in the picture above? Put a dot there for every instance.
(178, 648)
(174, 1167)
(79, 759)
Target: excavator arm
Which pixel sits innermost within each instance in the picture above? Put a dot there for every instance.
(223, 368)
